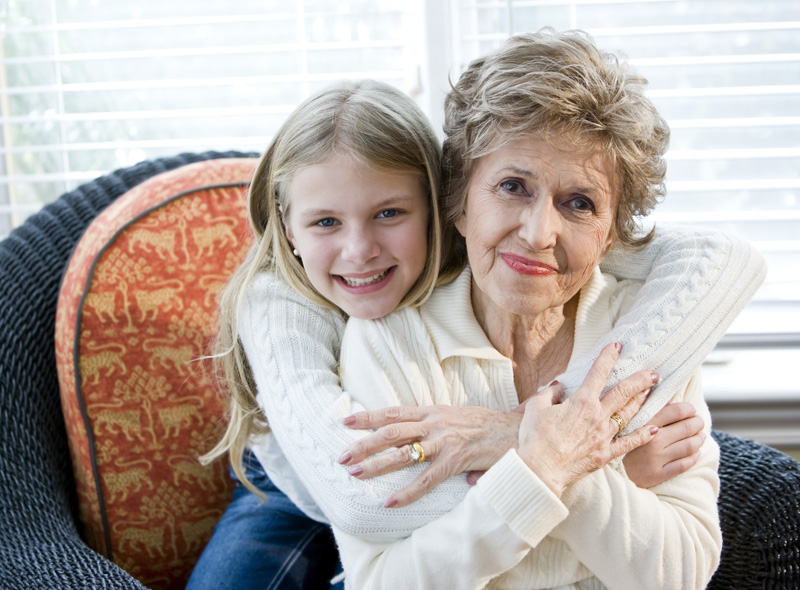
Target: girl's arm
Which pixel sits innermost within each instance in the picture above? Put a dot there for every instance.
(696, 283)
(292, 346)
(299, 384)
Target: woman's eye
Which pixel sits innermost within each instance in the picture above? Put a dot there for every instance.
(389, 213)
(582, 204)
(327, 222)
(512, 186)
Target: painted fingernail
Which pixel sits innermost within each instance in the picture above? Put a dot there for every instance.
(654, 377)
(554, 383)
(344, 459)
(647, 393)
(389, 503)
(349, 420)
(654, 430)
(618, 346)
(356, 470)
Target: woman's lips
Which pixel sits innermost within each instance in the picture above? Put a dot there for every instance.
(526, 266)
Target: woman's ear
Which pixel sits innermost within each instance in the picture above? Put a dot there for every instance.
(608, 244)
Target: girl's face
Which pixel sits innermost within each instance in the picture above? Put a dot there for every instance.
(361, 233)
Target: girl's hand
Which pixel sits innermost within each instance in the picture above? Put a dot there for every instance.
(454, 440)
(562, 442)
(674, 450)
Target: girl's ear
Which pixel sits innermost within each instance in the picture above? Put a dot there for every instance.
(289, 236)
(286, 229)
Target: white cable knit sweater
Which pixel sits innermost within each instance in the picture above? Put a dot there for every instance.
(604, 532)
(696, 284)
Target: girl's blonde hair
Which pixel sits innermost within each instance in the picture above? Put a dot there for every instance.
(376, 125)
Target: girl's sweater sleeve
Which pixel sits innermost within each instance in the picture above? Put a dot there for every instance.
(696, 283)
(292, 346)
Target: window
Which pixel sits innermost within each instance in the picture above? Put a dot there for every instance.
(87, 86)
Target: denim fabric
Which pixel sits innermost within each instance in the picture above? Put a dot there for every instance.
(266, 546)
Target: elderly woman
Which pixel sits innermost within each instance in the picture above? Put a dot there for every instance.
(552, 151)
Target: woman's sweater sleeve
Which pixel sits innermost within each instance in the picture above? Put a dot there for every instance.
(667, 536)
(696, 283)
(509, 511)
(292, 346)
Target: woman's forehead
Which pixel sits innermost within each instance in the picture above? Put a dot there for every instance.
(534, 157)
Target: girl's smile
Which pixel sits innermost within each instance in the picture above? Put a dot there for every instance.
(361, 233)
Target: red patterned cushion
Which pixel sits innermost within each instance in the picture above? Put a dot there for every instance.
(137, 310)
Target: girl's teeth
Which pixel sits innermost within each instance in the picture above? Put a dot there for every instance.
(352, 282)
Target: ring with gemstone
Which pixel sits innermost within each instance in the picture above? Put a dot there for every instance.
(417, 453)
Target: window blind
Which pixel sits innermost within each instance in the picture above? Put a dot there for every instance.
(88, 86)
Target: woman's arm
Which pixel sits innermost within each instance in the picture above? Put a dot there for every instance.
(667, 536)
(500, 519)
(515, 506)
(696, 283)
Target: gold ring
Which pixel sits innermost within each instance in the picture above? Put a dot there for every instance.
(417, 453)
(620, 422)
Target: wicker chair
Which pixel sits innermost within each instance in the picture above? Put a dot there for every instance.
(41, 547)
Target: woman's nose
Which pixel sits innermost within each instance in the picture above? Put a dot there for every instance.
(539, 225)
(360, 246)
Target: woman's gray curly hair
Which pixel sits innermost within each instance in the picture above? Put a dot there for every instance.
(561, 88)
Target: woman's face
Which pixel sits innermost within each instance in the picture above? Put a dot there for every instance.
(362, 233)
(537, 220)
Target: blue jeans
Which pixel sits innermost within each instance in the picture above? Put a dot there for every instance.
(266, 546)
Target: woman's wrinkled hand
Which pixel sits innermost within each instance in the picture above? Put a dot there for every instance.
(563, 441)
(454, 440)
(674, 450)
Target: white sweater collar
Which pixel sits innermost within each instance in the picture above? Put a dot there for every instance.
(451, 322)
(454, 330)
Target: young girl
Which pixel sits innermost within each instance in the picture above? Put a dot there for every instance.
(345, 210)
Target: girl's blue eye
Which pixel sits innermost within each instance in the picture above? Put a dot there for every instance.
(327, 222)
(388, 213)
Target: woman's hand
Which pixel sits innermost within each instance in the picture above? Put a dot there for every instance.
(674, 450)
(562, 442)
(454, 440)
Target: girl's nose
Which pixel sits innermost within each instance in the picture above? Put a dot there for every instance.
(360, 247)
